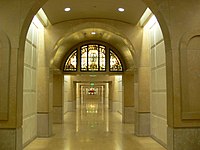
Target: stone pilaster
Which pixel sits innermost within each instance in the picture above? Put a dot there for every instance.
(11, 139)
(183, 138)
(142, 124)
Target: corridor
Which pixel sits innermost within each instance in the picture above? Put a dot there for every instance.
(93, 127)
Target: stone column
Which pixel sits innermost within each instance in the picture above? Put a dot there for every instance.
(128, 84)
(68, 94)
(106, 95)
(115, 95)
(58, 98)
(78, 95)
(142, 85)
(44, 90)
(142, 106)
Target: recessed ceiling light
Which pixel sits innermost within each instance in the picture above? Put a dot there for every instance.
(121, 9)
(93, 33)
(67, 9)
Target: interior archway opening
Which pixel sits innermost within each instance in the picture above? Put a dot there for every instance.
(138, 78)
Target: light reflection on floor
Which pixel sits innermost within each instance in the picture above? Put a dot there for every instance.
(93, 127)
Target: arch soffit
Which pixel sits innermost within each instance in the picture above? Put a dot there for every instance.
(107, 35)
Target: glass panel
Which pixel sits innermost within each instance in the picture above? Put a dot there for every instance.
(93, 56)
(71, 63)
(84, 58)
(102, 61)
(115, 64)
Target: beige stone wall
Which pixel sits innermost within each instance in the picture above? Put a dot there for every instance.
(128, 98)
(58, 95)
(158, 97)
(117, 94)
(29, 89)
(176, 17)
(68, 104)
(128, 79)
(120, 93)
(4, 75)
(78, 95)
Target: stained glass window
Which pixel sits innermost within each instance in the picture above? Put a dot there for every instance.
(84, 57)
(93, 58)
(71, 63)
(115, 63)
(102, 56)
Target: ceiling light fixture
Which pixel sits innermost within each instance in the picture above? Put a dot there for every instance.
(121, 9)
(67, 9)
(93, 33)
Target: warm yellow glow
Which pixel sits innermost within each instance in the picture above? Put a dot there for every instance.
(151, 22)
(37, 22)
(67, 9)
(121, 9)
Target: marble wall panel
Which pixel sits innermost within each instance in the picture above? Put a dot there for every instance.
(183, 138)
(58, 114)
(129, 115)
(160, 54)
(29, 90)
(142, 124)
(10, 139)
(158, 102)
(29, 129)
(69, 106)
(43, 124)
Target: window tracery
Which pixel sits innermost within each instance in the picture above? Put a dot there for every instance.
(93, 58)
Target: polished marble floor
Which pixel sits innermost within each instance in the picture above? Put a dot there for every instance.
(93, 127)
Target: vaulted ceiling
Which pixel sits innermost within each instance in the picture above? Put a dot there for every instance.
(107, 9)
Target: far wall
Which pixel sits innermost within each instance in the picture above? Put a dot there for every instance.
(116, 92)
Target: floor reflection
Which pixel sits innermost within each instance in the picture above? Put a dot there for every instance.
(94, 114)
(93, 127)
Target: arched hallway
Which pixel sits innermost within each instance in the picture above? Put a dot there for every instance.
(143, 60)
(92, 126)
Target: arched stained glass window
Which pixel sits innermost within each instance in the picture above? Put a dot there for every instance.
(93, 58)
(115, 64)
(71, 63)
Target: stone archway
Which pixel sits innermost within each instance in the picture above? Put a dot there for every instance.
(57, 69)
(54, 60)
(29, 10)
